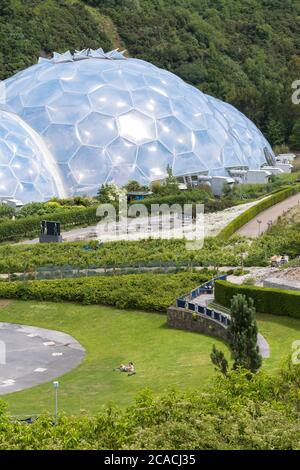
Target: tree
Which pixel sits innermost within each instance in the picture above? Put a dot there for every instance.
(242, 334)
(275, 132)
(6, 212)
(133, 185)
(171, 180)
(219, 360)
(295, 136)
(109, 193)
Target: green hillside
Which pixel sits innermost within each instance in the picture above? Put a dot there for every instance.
(242, 51)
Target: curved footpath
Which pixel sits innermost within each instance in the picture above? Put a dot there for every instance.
(205, 299)
(254, 229)
(30, 356)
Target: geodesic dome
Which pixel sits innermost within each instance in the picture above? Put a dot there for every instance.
(27, 170)
(106, 118)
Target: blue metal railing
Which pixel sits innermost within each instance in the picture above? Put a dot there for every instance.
(186, 302)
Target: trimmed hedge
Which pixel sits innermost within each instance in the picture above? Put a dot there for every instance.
(29, 227)
(154, 292)
(266, 300)
(253, 211)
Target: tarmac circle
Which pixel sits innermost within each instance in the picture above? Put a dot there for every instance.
(30, 356)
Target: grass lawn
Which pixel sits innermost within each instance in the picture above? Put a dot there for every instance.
(280, 332)
(164, 357)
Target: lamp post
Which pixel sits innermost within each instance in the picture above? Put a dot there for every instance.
(259, 224)
(55, 385)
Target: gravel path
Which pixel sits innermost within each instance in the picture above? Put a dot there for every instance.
(252, 229)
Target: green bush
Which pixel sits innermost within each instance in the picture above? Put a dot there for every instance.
(154, 292)
(29, 227)
(150, 252)
(253, 211)
(234, 413)
(266, 300)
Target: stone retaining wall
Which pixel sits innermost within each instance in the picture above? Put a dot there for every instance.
(185, 320)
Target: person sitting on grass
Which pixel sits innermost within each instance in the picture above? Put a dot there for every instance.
(129, 368)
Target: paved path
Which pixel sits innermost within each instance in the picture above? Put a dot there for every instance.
(264, 349)
(252, 229)
(30, 356)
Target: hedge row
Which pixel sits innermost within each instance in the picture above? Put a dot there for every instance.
(154, 292)
(253, 211)
(29, 227)
(266, 300)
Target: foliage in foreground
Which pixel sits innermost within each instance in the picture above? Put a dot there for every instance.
(239, 413)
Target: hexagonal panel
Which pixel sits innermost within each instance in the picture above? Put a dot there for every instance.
(44, 185)
(41, 94)
(174, 135)
(62, 140)
(137, 127)
(3, 132)
(27, 192)
(196, 98)
(37, 117)
(97, 130)
(25, 169)
(153, 159)
(83, 83)
(65, 71)
(120, 175)
(8, 182)
(188, 163)
(151, 103)
(163, 86)
(208, 150)
(20, 143)
(124, 79)
(69, 108)
(189, 114)
(22, 160)
(121, 151)
(6, 153)
(111, 101)
(90, 166)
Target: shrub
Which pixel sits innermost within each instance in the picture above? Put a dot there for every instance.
(154, 292)
(266, 300)
(29, 227)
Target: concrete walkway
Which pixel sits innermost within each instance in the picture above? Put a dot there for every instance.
(254, 229)
(30, 356)
(264, 349)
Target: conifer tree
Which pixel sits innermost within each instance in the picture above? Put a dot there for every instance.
(242, 334)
